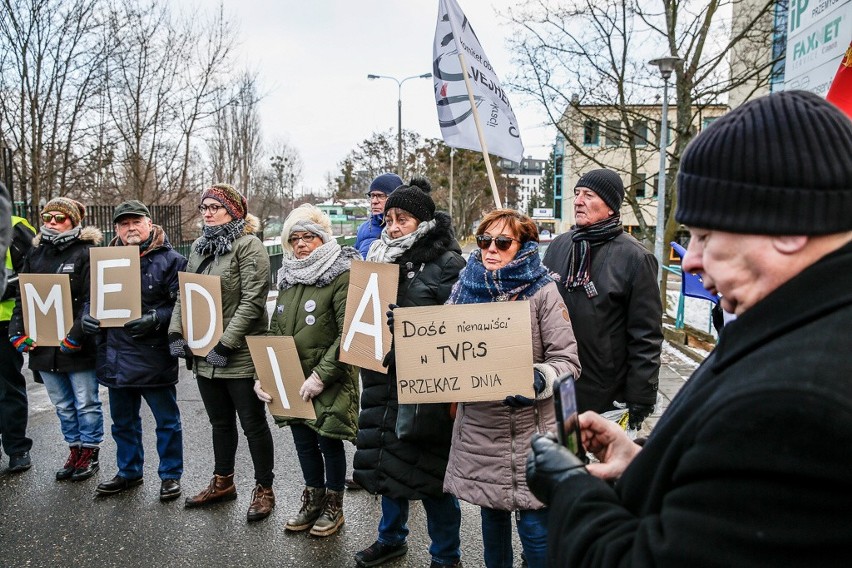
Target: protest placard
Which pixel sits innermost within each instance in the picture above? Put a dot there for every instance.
(463, 353)
(115, 285)
(200, 311)
(47, 309)
(366, 338)
(277, 365)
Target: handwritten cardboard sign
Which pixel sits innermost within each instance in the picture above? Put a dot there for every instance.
(115, 285)
(366, 338)
(47, 309)
(200, 311)
(277, 364)
(464, 353)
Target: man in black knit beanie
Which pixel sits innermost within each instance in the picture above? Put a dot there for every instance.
(749, 466)
(609, 284)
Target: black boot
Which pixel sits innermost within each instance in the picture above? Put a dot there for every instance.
(70, 464)
(87, 465)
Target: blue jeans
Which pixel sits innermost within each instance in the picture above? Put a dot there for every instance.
(443, 521)
(497, 537)
(124, 405)
(75, 396)
(323, 460)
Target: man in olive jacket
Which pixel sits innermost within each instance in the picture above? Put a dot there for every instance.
(749, 465)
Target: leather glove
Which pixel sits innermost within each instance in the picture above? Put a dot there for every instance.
(548, 464)
(389, 314)
(520, 401)
(311, 388)
(22, 343)
(262, 395)
(91, 326)
(69, 346)
(140, 327)
(218, 356)
(637, 413)
(390, 358)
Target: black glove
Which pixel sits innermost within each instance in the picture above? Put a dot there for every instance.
(637, 413)
(520, 401)
(91, 326)
(218, 356)
(178, 347)
(140, 327)
(389, 314)
(548, 464)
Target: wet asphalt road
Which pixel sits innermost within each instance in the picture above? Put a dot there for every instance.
(48, 523)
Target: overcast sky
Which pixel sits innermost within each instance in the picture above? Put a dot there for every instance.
(313, 59)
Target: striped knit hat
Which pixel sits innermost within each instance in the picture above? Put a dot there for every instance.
(232, 200)
(72, 209)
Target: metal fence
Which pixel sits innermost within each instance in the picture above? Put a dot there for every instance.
(100, 216)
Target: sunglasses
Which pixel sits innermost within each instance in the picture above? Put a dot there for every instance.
(58, 217)
(307, 237)
(212, 208)
(501, 242)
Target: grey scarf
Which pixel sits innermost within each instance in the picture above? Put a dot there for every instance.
(386, 249)
(319, 268)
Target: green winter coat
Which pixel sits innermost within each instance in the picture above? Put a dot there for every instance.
(245, 286)
(316, 328)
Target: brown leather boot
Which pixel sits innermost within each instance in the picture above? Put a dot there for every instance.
(262, 503)
(221, 488)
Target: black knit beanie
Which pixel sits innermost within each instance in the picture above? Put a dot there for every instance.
(607, 184)
(778, 165)
(413, 198)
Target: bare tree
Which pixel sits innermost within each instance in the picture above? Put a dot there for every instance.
(378, 154)
(165, 77)
(287, 164)
(50, 62)
(585, 62)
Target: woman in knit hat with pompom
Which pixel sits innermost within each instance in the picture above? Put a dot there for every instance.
(312, 286)
(229, 248)
(68, 371)
(422, 242)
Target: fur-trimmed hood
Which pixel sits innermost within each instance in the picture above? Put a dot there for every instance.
(434, 243)
(252, 224)
(88, 233)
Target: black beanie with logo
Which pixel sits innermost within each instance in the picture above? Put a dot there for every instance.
(777, 165)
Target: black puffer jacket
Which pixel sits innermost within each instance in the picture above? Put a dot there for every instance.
(145, 362)
(383, 464)
(71, 258)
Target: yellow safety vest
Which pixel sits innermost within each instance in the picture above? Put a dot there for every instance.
(6, 306)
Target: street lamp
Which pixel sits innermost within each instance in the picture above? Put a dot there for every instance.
(399, 113)
(666, 66)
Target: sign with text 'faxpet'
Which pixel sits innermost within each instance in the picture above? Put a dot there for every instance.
(200, 311)
(46, 303)
(115, 285)
(277, 365)
(463, 353)
(366, 338)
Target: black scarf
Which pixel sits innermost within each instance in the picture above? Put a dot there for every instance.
(217, 240)
(579, 266)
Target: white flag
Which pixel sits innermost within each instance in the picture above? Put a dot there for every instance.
(454, 33)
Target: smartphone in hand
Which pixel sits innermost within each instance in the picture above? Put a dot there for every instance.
(567, 417)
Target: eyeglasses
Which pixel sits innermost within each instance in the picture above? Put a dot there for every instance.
(212, 208)
(58, 217)
(501, 242)
(307, 237)
(378, 195)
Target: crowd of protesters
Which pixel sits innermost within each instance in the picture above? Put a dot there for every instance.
(748, 451)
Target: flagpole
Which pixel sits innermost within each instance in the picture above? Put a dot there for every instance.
(479, 133)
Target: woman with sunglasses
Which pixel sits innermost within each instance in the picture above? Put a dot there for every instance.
(506, 268)
(229, 248)
(422, 243)
(312, 285)
(68, 371)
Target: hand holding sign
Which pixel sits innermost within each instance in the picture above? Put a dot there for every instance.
(47, 308)
(201, 312)
(279, 371)
(115, 285)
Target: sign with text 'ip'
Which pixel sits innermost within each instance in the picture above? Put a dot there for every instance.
(463, 353)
